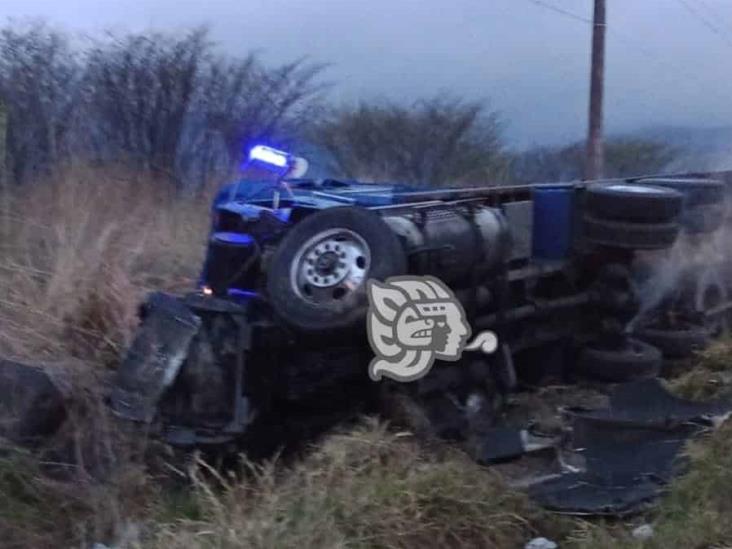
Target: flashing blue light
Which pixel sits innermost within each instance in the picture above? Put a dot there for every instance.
(268, 155)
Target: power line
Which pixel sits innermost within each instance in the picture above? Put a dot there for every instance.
(713, 12)
(557, 9)
(639, 47)
(704, 20)
(627, 39)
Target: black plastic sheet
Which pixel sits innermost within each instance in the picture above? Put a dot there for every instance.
(631, 450)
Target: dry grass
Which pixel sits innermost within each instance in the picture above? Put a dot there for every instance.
(77, 254)
(365, 488)
(711, 374)
(79, 251)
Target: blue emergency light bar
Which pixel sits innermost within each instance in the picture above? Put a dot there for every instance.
(269, 156)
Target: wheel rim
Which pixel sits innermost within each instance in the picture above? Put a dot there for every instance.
(330, 266)
(630, 188)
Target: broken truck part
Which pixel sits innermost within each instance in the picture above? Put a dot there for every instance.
(631, 450)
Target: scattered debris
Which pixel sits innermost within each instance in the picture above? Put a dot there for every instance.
(504, 443)
(540, 543)
(643, 532)
(631, 450)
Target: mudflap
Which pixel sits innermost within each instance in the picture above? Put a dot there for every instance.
(155, 357)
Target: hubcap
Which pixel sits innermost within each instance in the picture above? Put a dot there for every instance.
(330, 266)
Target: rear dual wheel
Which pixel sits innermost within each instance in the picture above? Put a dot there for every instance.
(633, 359)
(696, 191)
(633, 203)
(631, 217)
(630, 236)
(676, 342)
(704, 202)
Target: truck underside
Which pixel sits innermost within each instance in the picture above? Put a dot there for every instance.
(273, 347)
(604, 282)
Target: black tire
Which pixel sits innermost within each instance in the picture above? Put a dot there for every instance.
(387, 259)
(635, 360)
(703, 219)
(613, 292)
(632, 202)
(696, 191)
(630, 236)
(676, 342)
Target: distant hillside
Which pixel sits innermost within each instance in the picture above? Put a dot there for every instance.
(700, 148)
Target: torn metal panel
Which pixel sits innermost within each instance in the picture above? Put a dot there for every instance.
(631, 450)
(505, 443)
(154, 358)
(578, 494)
(648, 401)
(623, 453)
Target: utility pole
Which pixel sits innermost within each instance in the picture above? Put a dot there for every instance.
(4, 177)
(594, 161)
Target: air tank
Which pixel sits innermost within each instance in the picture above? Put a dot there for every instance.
(453, 243)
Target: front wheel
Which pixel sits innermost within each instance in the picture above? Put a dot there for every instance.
(318, 273)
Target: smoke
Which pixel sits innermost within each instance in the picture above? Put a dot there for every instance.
(661, 275)
(656, 276)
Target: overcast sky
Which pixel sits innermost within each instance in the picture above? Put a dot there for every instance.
(664, 66)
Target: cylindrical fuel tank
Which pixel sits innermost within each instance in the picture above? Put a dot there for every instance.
(452, 243)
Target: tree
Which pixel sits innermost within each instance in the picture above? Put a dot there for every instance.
(624, 157)
(439, 141)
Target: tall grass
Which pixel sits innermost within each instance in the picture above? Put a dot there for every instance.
(365, 488)
(79, 250)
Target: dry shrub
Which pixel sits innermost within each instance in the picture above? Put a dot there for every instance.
(79, 251)
(711, 373)
(696, 512)
(365, 488)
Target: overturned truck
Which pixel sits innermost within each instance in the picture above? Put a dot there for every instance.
(599, 280)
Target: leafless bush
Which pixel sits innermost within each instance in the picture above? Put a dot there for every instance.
(242, 102)
(440, 141)
(167, 104)
(139, 90)
(39, 75)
